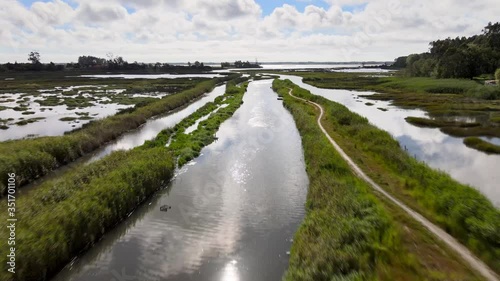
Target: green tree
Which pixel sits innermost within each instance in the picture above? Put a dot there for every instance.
(34, 57)
(497, 76)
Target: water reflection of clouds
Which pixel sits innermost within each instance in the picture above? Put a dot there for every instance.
(219, 227)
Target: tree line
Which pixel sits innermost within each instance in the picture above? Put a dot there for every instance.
(460, 57)
(111, 63)
(240, 64)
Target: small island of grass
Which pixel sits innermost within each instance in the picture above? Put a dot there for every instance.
(482, 145)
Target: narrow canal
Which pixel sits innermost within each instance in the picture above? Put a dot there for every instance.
(133, 138)
(234, 210)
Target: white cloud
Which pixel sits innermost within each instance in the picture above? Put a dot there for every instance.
(96, 13)
(206, 30)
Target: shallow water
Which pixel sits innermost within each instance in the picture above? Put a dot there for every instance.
(193, 127)
(435, 148)
(50, 123)
(131, 139)
(154, 126)
(234, 210)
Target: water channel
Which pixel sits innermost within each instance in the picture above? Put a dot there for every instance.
(234, 210)
(435, 148)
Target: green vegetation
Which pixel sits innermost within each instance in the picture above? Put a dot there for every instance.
(64, 216)
(459, 209)
(497, 76)
(402, 85)
(470, 132)
(482, 145)
(29, 84)
(20, 108)
(433, 123)
(188, 146)
(92, 64)
(68, 119)
(443, 99)
(347, 233)
(33, 158)
(457, 58)
(23, 123)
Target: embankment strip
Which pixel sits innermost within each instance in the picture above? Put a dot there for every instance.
(471, 217)
(67, 215)
(32, 158)
(346, 234)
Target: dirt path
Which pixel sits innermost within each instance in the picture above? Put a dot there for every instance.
(467, 255)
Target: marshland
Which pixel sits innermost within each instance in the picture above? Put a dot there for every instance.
(246, 170)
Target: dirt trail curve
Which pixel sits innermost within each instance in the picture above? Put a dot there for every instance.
(469, 257)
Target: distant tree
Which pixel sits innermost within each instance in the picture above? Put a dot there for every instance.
(91, 61)
(460, 57)
(34, 57)
(497, 76)
(400, 62)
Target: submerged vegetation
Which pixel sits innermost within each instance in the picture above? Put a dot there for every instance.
(459, 209)
(32, 158)
(64, 216)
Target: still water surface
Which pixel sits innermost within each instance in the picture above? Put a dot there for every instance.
(234, 210)
(154, 126)
(131, 139)
(435, 148)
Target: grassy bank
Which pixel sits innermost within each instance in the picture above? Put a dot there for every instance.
(32, 158)
(68, 215)
(64, 216)
(347, 233)
(443, 99)
(459, 209)
(188, 146)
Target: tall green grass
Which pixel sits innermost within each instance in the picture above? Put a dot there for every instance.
(33, 158)
(346, 233)
(64, 216)
(459, 209)
(188, 146)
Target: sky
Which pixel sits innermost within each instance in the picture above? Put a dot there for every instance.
(228, 30)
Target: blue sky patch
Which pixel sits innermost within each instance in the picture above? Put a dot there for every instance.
(268, 6)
